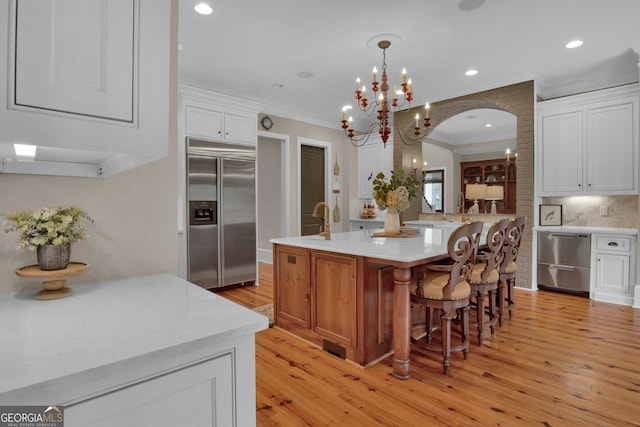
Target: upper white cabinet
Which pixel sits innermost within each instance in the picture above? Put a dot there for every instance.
(88, 82)
(218, 117)
(588, 144)
(76, 57)
(373, 157)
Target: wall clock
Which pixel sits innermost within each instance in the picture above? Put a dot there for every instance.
(267, 123)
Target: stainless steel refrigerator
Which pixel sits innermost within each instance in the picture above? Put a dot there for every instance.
(221, 199)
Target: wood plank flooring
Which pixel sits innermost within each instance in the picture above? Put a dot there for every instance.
(561, 361)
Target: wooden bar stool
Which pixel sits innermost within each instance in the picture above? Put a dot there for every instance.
(508, 267)
(445, 287)
(485, 278)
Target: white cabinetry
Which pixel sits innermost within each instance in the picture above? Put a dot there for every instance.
(373, 157)
(211, 124)
(187, 359)
(218, 117)
(202, 393)
(612, 258)
(86, 82)
(588, 144)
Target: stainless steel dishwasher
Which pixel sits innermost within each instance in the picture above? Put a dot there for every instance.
(564, 261)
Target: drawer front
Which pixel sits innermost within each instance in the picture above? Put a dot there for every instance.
(613, 243)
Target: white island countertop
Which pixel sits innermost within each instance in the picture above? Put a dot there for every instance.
(431, 243)
(50, 348)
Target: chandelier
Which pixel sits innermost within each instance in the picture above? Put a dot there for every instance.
(384, 105)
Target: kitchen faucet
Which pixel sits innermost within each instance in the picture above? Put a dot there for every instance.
(327, 224)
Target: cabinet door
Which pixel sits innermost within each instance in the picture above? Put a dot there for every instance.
(562, 159)
(240, 128)
(367, 169)
(76, 57)
(610, 149)
(201, 122)
(334, 302)
(201, 395)
(292, 299)
(612, 274)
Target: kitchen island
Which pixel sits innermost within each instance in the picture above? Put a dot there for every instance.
(153, 350)
(350, 294)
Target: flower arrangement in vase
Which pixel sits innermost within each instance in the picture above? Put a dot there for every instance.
(395, 194)
(49, 231)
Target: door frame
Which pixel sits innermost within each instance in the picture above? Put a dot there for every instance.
(300, 141)
(285, 160)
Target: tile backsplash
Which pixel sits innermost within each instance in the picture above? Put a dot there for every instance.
(585, 210)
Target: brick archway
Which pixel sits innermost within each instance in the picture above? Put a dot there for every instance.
(519, 100)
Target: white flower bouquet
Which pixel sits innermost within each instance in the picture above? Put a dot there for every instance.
(47, 226)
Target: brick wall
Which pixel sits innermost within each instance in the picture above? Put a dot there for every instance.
(518, 99)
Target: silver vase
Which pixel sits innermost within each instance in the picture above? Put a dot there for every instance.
(53, 257)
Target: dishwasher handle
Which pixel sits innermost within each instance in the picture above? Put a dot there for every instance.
(572, 235)
(562, 267)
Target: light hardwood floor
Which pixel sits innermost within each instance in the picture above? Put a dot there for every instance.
(561, 361)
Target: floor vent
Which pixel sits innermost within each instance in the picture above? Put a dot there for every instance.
(335, 349)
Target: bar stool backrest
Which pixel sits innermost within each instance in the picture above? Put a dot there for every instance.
(496, 237)
(462, 247)
(512, 242)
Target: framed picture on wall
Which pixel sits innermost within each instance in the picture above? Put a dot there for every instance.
(550, 214)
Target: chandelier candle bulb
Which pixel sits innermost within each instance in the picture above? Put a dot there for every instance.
(427, 107)
(508, 153)
(424, 166)
(382, 106)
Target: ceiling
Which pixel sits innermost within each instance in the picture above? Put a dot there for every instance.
(301, 57)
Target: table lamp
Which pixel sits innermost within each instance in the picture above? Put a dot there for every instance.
(494, 192)
(475, 192)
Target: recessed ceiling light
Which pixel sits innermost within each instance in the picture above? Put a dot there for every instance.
(488, 125)
(277, 86)
(203, 9)
(574, 43)
(471, 72)
(305, 74)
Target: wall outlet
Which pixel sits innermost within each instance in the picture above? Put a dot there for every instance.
(604, 210)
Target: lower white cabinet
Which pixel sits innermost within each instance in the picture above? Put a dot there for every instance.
(200, 395)
(612, 259)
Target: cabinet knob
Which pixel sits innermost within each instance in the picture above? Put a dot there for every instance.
(579, 185)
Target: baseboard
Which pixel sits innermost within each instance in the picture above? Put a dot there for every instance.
(265, 255)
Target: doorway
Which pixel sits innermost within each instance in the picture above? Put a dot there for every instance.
(311, 188)
(313, 172)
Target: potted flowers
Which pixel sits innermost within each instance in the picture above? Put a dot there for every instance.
(395, 194)
(49, 231)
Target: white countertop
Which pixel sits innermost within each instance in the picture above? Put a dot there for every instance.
(104, 323)
(431, 242)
